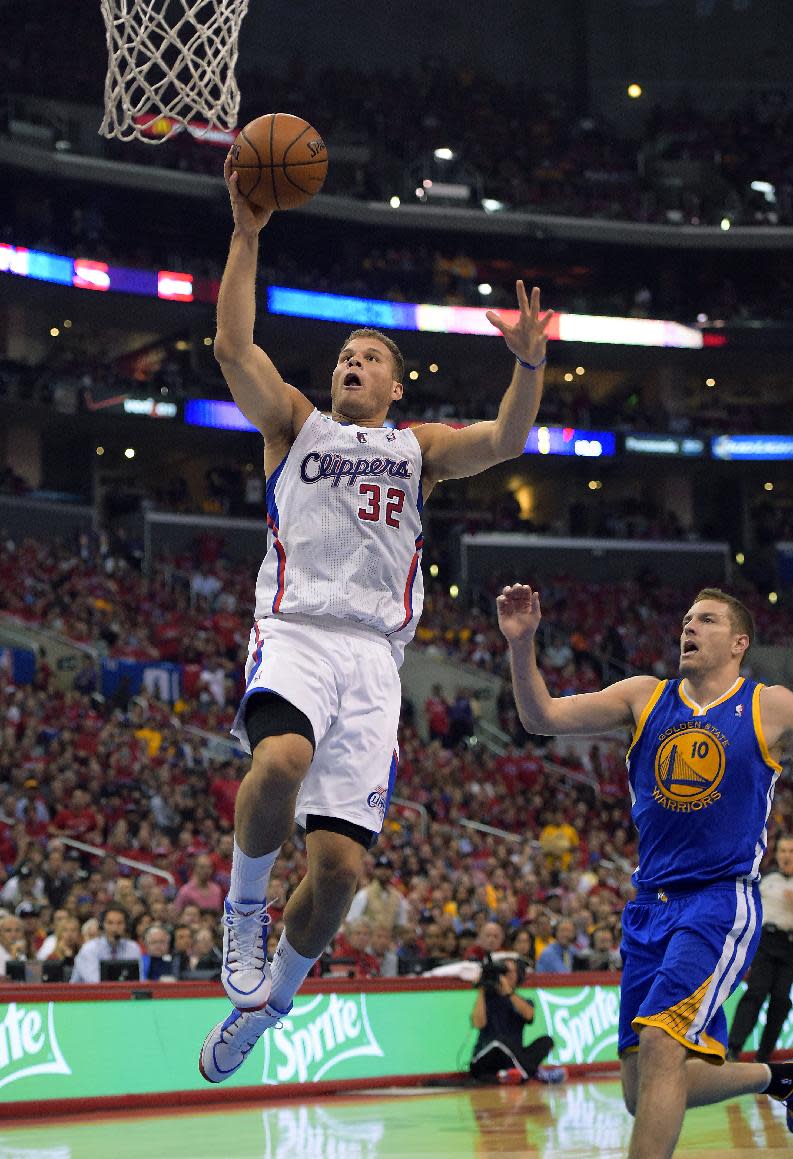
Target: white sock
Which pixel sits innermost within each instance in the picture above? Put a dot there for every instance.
(290, 971)
(250, 875)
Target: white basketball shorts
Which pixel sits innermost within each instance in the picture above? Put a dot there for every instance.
(346, 682)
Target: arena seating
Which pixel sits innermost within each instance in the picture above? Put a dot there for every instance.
(130, 775)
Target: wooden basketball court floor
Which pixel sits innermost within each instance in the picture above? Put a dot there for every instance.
(576, 1120)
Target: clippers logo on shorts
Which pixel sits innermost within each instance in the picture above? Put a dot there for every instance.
(377, 799)
(315, 468)
(689, 766)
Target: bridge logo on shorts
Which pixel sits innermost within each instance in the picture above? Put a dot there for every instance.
(689, 766)
(319, 1035)
(28, 1044)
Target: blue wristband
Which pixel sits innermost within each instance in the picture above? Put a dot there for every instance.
(528, 365)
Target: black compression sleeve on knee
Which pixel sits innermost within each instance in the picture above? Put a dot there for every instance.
(268, 714)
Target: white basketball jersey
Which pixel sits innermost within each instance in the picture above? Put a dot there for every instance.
(344, 529)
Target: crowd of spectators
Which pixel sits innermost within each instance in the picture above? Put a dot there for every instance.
(193, 609)
(551, 888)
(599, 631)
(133, 777)
(73, 769)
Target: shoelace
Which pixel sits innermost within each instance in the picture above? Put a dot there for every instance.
(247, 1038)
(246, 947)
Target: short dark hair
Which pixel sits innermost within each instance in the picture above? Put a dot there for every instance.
(396, 353)
(114, 908)
(741, 618)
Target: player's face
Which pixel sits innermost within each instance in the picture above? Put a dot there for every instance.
(708, 639)
(363, 385)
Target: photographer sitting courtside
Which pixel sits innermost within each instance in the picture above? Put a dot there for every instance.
(500, 1015)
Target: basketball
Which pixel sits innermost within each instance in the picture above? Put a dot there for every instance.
(281, 161)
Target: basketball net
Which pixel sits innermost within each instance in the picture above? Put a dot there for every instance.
(170, 62)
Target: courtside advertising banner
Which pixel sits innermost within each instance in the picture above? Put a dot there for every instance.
(62, 1050)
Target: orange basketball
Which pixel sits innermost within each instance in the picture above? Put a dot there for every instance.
(281, 161)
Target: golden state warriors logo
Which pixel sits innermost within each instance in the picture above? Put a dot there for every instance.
(689, 766)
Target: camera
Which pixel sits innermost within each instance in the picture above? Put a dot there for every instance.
(493, 972)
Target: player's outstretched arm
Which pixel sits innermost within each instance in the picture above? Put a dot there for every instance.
(456, 454)
(275, 408)
(618, 706)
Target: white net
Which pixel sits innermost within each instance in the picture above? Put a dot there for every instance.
(170, 61)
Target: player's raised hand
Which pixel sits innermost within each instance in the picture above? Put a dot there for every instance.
(519, 612)
(248, 218)
(528, 337)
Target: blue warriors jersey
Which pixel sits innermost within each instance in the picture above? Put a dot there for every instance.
(702, 782)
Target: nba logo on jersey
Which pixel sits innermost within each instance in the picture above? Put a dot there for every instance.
(361, 437)
(739, 710)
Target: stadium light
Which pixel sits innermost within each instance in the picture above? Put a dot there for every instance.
(740, 558)
(395, 202)
(484, 289)
(444, 154)
(129, 453)
(634, 91)
(491, 205)
(725, 223)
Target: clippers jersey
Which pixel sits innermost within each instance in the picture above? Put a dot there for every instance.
(702, 782)
(344, 530)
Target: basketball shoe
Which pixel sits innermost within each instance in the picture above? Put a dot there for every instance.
(551, 1074)
(230, 1042)
(781, 1087)
(512, 1077)
(245, 973)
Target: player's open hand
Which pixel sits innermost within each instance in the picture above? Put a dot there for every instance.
(519, 612)
(248, 218)
(528, 337)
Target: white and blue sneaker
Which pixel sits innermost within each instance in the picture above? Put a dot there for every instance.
(245, 973)
(230, 1042)
(551, 1074)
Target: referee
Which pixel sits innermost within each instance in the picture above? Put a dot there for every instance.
(771, 975)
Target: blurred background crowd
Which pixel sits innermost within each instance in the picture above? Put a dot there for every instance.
(128, 799)
(526, 150)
